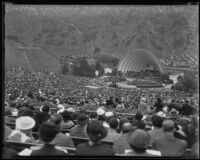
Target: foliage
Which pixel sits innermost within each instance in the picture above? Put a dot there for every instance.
(165, 78)
(187, 83)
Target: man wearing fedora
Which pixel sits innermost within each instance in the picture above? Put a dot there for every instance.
(167, 143)
(47, 133)
(80, 129)
(96, 132)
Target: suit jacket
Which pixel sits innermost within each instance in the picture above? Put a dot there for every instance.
(170, 146)
(112, 135)
(63, 140)
(98, 149)
(121, 144)
(78, 131)
(48, 150)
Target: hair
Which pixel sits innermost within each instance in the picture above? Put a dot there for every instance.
(92, 134)
(122, 121)
(113, 123)
(66, 116)
(54, 130)
(138, 116)
(56, 119)
(93, 115)
(126, 127)
(168, 128)
(101, 118)
(45, 108)
(157, 121)
(7, 111)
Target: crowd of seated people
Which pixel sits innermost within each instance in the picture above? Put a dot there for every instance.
(128, 136)
(51, 121)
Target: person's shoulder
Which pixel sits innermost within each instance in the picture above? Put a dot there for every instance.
(108, 149)
(82, 145)
(182, 142)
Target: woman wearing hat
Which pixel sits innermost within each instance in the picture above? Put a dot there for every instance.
(23, 130)
(96, 132)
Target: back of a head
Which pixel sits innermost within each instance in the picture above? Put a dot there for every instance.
(157, 121)
(126, 127)
(66, 116)
(48, 131)
(82, 119)
(113, 123)
(93, 115)
(27, 112)
(139, 140)
(7, 110)
(96, 131)
(45, 108)
(56, 119)
(138, 116)
(168, 125)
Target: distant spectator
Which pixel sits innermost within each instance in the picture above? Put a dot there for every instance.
(112, 130)
(96, 132)
(47, 133)
(80, 129)
(23, 130)
(186, 109)
(67, 120)
(168, 144)
(140, 123)
(100, 113)
(158, 105)
(93, 116)
(172, 105)
(43, 115)
(27, 112)
(108, 116)
(119, 105)
(157, 130)
(121, 122)
(142, 105)
(139, 142)
(109, 103)
(7, 114)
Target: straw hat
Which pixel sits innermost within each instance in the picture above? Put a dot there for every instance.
(109, 114)
(161, 114)
(100, 111)
(25, 123)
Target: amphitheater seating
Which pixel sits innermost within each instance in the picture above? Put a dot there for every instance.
(18, 146)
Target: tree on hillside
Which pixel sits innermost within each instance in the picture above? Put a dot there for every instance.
(65, 69)
(98, 67)
(186, 83)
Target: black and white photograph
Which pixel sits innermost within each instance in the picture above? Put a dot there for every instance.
(100, 80)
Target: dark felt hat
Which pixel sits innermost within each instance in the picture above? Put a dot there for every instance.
(48, 131)
(96, 131)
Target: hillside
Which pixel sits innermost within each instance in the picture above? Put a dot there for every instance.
(115, 30)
